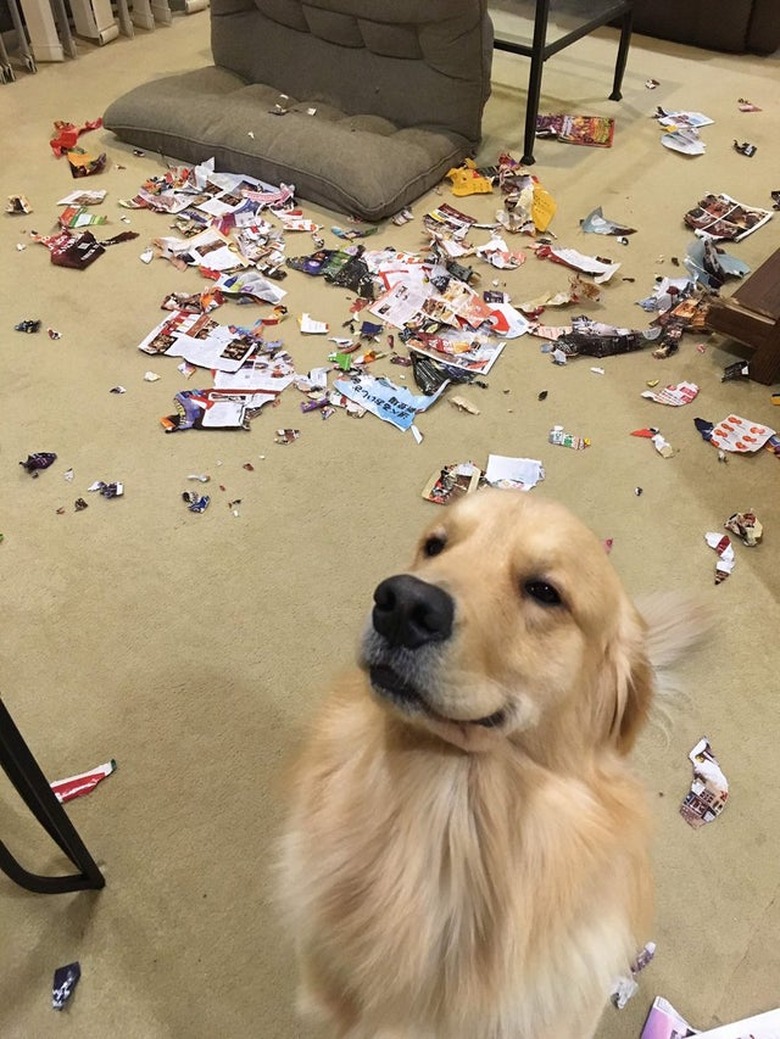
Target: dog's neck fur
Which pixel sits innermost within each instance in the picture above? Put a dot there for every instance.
(459, 842)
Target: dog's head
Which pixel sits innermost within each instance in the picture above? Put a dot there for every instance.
(511, 623)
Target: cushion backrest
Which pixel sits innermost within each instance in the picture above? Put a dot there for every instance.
(415, 62)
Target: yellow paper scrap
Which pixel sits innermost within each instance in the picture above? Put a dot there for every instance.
(543, 208)
(466, 180)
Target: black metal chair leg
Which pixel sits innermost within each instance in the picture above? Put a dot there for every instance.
(26, 776)
(627, 24)
(44, 885)
(535, 79)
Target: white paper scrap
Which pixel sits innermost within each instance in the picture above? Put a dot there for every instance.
(311, 327)
(507, 472)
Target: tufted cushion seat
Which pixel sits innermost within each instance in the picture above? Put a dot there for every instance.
(397, 90)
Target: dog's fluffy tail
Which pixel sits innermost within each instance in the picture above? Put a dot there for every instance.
(675, 624)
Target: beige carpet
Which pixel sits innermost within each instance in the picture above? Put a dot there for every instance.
(193, 648)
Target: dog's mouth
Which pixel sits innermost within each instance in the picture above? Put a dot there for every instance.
(389, 684)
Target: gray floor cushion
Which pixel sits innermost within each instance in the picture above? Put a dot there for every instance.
(397, 89)
(361, 165)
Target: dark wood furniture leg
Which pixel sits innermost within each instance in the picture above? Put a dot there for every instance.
(752, 317)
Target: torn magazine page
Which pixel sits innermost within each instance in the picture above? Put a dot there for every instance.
(507, 322)
(579, 289)
(447, 221)
(723, 218)
(685, 140)
(402, 304)
(162, 335)
(675, 395)
(665, 294)
(734, 433)
(709, 788)
(250, 284)
(499, 255)
(260, 373)
(473, 352)
(394, 404)
(213, 409)
(601, 270)
(215, 347)
(213, 250)
(682, 131)
(83, 198)
(682, 118)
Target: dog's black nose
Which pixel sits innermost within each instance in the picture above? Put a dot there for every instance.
(410, 612)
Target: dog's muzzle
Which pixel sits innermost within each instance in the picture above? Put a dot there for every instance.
(402, 648)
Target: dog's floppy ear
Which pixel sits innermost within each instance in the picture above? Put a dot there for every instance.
(627, 682)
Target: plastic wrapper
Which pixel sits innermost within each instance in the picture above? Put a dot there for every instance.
(66, 135)
(64, 984)
(595, 339)
(76, 251)
(107, 490)
(38, 461)
(196, 502)
(560, 438)
(28, 325)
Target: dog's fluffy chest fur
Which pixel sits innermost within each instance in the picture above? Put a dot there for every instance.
(446, 894)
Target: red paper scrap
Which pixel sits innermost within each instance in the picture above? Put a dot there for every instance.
(67, 134)
(84, 783)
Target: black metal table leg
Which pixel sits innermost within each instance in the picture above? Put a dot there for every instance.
(540, 50)
(626, 27)
(541, 19)
(26, 776)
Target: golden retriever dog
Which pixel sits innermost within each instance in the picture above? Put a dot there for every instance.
(466, 851)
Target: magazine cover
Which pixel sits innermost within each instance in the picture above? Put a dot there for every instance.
(594, 130)
(664, 1022)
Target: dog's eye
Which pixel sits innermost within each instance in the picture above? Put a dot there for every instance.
(433, 545)
(545, 594)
